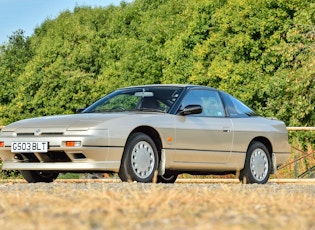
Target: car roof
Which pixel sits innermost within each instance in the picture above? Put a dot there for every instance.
(170, 85)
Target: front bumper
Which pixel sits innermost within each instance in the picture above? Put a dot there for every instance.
(112, 166)
(94, 153)
(90, 159)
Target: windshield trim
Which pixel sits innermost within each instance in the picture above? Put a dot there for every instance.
(166, 96)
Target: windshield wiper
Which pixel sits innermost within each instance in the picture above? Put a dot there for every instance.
(150, 110)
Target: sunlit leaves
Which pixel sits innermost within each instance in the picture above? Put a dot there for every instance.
(261, 51)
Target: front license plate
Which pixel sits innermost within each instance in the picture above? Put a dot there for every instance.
(29, 147)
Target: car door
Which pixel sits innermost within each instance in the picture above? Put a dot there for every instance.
(205, 138)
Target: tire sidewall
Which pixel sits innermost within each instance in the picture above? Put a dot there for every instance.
(167, 178)
(126, 171)
(246, 174)
(39, 176)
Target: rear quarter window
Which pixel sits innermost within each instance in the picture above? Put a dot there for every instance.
(236, 108)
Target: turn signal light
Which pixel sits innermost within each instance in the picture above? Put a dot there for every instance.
(1, 144)
(73, 143)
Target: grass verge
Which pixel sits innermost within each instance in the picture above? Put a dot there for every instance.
(156, 206)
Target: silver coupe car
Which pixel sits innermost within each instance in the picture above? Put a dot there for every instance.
(149, 133)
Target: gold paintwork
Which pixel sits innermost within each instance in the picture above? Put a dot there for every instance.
(189, 143)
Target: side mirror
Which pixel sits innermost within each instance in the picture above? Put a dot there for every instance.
(191, 109)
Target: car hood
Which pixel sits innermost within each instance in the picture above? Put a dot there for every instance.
(61, 123)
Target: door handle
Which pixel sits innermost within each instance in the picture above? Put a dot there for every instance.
(226, 130)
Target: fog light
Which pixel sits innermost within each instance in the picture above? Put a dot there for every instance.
(73, 143)
(1, 144)
(18, 157)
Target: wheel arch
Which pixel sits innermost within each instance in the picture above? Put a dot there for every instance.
(129, 171)
(264, 141)
(152, 133)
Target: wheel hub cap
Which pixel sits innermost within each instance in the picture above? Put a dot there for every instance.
(259, 164)
(142, 159)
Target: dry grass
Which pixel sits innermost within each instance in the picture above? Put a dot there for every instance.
(156, 206)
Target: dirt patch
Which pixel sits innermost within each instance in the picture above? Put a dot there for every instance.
(103, 205)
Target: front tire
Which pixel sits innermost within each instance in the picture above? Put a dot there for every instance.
(39, 176)
(257, 166)
(140, 159)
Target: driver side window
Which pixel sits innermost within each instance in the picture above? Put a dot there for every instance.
(210, 102)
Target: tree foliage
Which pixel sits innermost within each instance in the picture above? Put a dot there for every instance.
(261, 51)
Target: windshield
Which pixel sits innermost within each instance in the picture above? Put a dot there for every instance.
(147, 98)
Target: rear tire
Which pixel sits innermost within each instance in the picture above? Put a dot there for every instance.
(39, 176)
(257, 166)
(167, 178)
(140, 159)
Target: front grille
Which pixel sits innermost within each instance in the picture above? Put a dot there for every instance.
(52, 134)
(46, 134)
(30, 157)
(51, 156)
(24, 134)
(57, 156)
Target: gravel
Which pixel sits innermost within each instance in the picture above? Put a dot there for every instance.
(305, 186)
